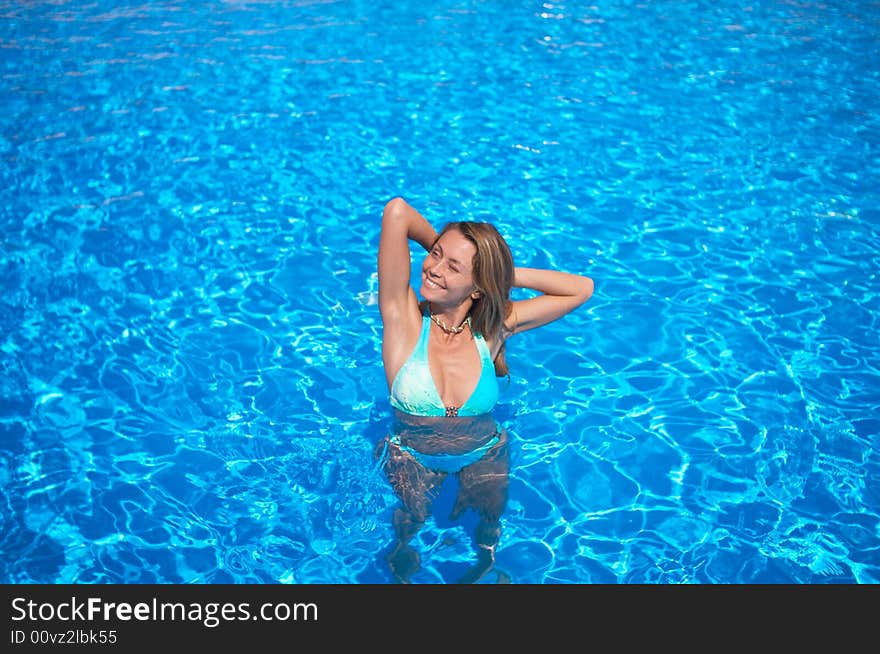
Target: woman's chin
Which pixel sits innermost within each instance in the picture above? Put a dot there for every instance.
(431, 292)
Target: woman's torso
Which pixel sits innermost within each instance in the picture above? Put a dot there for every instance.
(468, 385)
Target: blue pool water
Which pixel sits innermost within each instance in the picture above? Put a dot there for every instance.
(190, 194)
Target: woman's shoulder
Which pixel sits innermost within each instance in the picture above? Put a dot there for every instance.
(496, 342)
(405, 319)
(508, 325)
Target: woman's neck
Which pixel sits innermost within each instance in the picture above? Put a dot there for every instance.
(451, 321)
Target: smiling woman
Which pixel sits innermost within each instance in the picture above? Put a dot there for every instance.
(442, 356)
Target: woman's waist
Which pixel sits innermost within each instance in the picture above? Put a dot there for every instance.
(446, 435)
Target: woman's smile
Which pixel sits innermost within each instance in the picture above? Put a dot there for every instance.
(430, 283)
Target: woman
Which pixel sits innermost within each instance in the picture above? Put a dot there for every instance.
(442, 357)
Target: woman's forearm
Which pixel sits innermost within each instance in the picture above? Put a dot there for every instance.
(421, 231)
(553, 282)
(418, 229)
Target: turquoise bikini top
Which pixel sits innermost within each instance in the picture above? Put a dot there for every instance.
(413, 390)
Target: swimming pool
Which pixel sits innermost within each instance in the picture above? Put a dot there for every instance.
(191, 193)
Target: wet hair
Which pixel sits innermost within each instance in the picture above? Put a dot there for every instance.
(493, 276)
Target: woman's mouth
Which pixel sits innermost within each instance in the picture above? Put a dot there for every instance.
(431, 284)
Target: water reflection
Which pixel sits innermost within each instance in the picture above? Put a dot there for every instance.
(418, 455)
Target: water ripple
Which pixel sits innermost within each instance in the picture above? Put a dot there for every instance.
(190, 378)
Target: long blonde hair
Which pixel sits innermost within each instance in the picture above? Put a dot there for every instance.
(493, 276)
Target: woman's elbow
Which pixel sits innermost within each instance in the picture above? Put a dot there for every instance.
(394, 208)
(585, 292)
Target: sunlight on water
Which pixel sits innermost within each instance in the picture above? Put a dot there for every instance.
(190, 379)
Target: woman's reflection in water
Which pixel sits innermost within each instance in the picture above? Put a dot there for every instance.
(417, 457)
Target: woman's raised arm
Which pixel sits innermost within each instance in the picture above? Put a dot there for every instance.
(400, 224)
(561, 293)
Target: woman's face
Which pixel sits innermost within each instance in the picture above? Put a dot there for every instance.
(447, 272)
